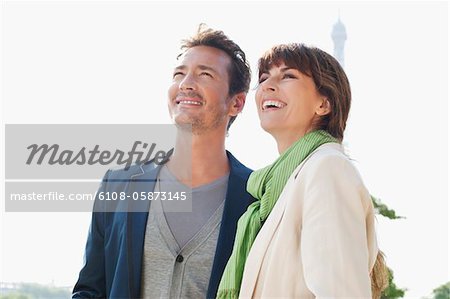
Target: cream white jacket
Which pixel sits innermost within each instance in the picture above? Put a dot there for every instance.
(319, 240)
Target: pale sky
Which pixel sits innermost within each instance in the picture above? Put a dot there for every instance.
(111, 62)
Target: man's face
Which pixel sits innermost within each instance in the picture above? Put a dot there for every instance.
(199, 91)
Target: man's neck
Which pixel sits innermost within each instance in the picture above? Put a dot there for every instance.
(199, 160)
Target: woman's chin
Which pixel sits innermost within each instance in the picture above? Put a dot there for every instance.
(270, 128)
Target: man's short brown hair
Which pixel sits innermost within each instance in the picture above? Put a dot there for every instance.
(239, 71)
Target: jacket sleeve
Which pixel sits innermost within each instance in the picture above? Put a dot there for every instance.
(91, 281)
(334, 247)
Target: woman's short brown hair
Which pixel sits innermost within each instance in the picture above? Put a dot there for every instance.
(327, 74)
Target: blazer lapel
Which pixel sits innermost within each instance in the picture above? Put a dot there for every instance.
(265, 236)
(262, 242)
(137, 216)
(236, 202)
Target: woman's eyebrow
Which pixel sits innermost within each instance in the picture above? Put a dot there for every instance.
(286, 68)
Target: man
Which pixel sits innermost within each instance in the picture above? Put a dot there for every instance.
(156, 253)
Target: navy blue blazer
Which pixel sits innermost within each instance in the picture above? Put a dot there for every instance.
(114, 248)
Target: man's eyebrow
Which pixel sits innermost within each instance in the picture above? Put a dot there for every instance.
(200, 67)
(206, 68)
(180, 67)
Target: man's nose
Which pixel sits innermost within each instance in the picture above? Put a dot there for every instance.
(188, 83)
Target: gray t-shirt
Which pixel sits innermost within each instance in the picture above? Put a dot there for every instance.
(205, 200)
(171, 270)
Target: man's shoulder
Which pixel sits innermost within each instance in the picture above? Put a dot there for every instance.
(237, 167)
(238, 181)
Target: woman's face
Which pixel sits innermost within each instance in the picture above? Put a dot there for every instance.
(287, 101)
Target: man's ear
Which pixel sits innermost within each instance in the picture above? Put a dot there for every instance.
(324, 108)
(237, 103)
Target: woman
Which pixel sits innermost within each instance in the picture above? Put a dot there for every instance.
(318, 238)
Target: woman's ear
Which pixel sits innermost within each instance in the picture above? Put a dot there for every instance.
(237, 103)
(324, 108)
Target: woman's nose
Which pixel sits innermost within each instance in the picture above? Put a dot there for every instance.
(268, 85)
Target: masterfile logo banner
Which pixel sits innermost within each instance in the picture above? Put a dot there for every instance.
(81, 151)
(59, 167)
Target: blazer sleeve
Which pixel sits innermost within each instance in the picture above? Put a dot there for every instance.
(334, 241)
(91, 282)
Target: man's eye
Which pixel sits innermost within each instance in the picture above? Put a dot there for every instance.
(206, 74)
(177, 74)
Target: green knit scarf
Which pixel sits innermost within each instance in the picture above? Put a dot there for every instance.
(265, 185)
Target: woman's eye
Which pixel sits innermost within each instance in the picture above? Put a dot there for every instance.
(262, 79)
(289, 76)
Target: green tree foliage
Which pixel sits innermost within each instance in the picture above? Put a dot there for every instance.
(392, 291)
(14, 295)
(383, 209)
(36, 291)
(442, 292)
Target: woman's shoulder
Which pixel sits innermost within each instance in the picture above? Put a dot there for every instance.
(330, 150)
(326, 153)
(328, 160)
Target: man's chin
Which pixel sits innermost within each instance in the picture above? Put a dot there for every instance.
(190, 128)
(183, 126)
(195, 126)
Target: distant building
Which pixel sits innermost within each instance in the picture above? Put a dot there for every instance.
(339, 36)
